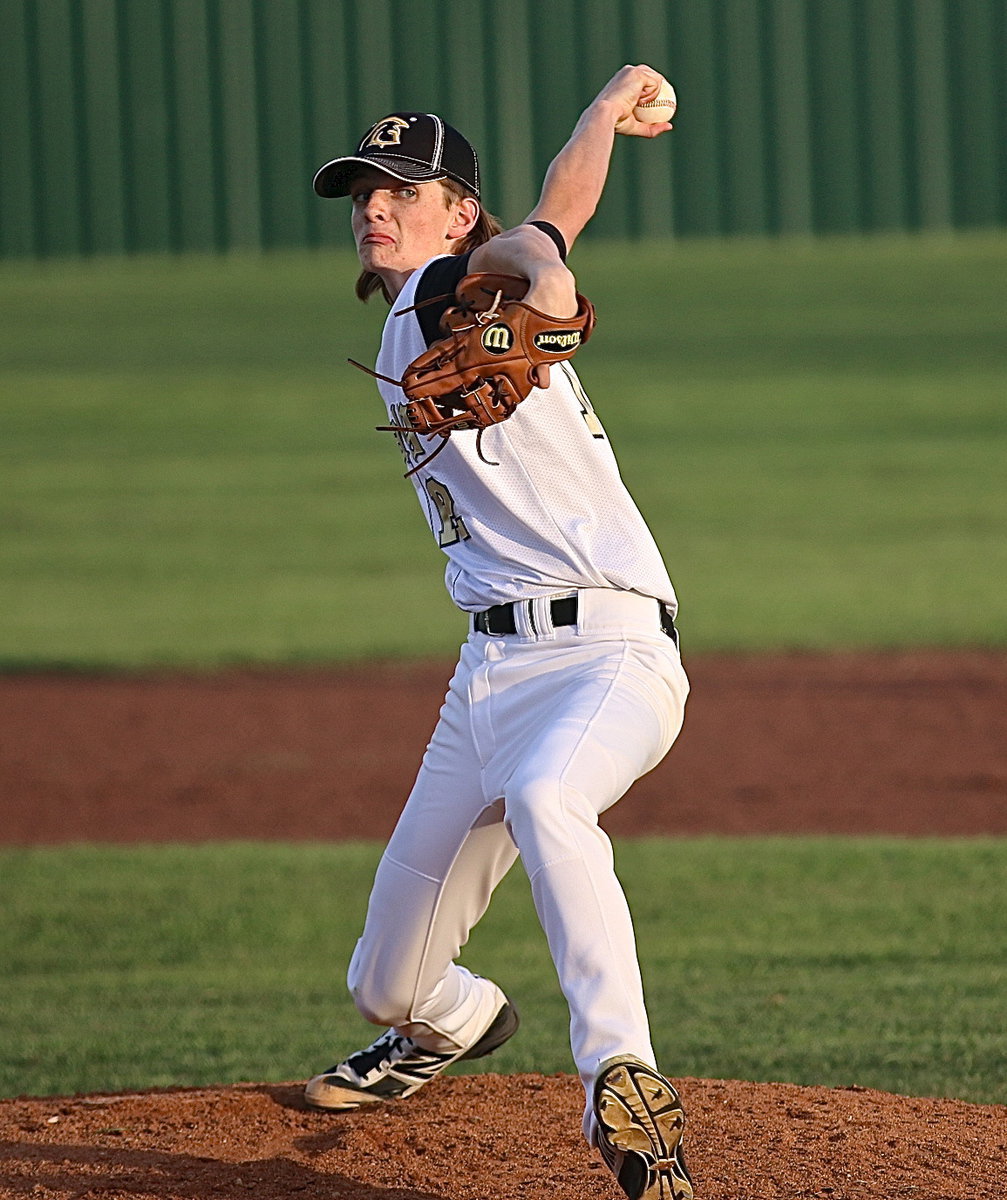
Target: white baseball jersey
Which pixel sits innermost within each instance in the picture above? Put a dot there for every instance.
(553, 515)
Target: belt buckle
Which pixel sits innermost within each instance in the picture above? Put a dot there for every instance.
(488, 617)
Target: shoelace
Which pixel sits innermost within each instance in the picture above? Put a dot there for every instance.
(382, 1053)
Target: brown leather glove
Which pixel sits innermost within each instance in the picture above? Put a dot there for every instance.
(491, 357)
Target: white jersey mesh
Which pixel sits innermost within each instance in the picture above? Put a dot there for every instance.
(553, 515)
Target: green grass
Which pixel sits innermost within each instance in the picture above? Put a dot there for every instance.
(834, 961)
(815, 430)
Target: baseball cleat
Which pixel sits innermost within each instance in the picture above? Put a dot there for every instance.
(640, 1129)
(394, 1067)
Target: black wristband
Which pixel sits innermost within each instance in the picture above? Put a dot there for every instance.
(548, 228)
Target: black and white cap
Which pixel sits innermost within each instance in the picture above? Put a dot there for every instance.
(417, 147)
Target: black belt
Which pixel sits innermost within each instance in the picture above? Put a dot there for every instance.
(500, 618)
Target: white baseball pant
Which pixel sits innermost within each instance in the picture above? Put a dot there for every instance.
(540, 732)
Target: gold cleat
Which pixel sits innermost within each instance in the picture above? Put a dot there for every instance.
(641, 1124)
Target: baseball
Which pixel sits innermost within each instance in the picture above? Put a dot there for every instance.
(660, 108)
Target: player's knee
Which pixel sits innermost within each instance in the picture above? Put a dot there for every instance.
(530, 801)
(539, 812)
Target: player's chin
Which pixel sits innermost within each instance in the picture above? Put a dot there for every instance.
(375, 256)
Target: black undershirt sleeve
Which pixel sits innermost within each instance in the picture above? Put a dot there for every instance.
(442, 277)
(439, 279)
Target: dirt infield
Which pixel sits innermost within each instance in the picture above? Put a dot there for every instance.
(492, 1137)
(910, 744)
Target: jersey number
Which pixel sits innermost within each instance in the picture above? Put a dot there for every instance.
(409, 443)
(594, 426)
(452, 527)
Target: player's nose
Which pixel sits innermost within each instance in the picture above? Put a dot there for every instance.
(376, 207)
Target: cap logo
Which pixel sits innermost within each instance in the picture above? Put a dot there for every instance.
(386, 133)
(498, 338)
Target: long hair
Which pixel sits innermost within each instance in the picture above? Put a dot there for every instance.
(486, 226)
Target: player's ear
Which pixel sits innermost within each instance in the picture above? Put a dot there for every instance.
(464, 215)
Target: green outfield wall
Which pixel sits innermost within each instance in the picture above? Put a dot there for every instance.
(176, 125)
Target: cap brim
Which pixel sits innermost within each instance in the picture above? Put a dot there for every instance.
(334, 178)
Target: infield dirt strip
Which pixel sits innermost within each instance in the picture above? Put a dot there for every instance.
(907, 743)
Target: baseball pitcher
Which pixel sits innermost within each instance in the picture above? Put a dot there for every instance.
(570, 685)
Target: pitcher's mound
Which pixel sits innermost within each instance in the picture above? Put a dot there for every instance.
(493, 1137)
